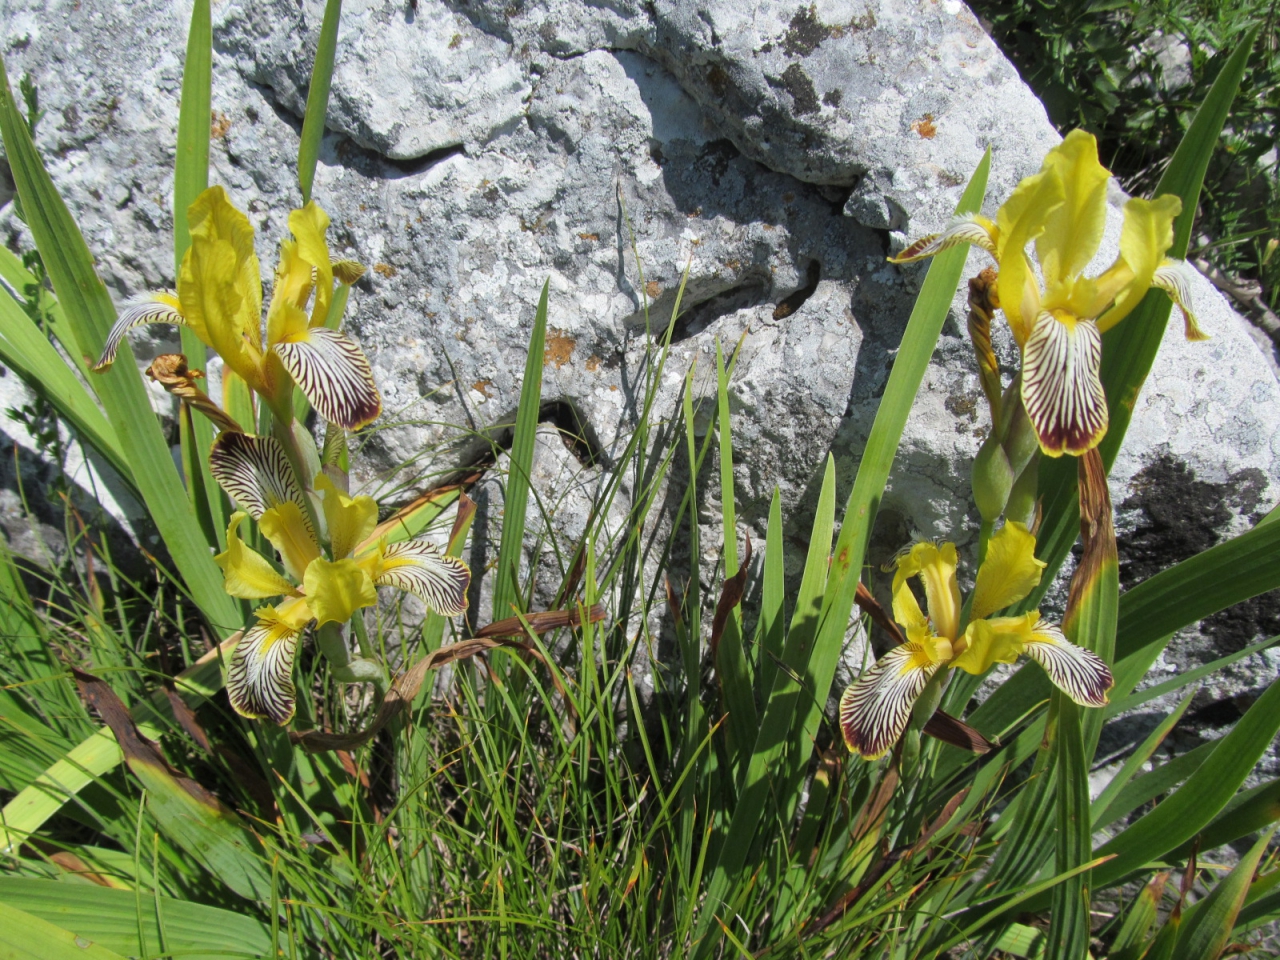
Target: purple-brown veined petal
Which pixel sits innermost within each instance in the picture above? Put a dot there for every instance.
(1079, 673)
(418, 567)
(347, 271)
(875, 708)
(1174, 278)
(1061, 388)
(967, 228)
(260, 677)
(162, 307)
(334, 373)
(256, 474)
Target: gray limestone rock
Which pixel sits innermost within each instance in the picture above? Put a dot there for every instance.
(777, 151)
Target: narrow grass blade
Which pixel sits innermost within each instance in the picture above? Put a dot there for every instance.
(1129, 349)
(1138, 920)
(108, 918)
(90, 313)
(318, 98)
(1198, 801)
(1137, 760)
(792, 713)
(1150, 785)
(1090, 622)
(506, 578)
(27, 351)
(772, 597)
(731, 664)
(190, 178)
(1206, 927)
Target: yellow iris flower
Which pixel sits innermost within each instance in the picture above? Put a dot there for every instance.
(326, 589)
(875, 709)
(219, 297)
(1058, 319)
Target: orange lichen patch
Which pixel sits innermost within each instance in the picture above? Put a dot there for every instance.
(926, 127)
(384, 270)
(219, 124)
(559, 348)
(482, 386)
(653, 289)
(593, 363)
(593, 237)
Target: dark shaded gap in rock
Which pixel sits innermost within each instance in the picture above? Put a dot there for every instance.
(693, 321)
(416, 165)
(791, 303)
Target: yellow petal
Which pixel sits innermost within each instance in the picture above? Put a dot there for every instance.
(246, 573)
(1019, 221)
(994, 640)
(1145, 238)
(874, 710)
(350, 519)
(906, 609)
(1073, 230)
(308, 225)
(1009, 573)
(219, 285)
(286, 527)
(936, 567)
(337, 589)
(289, 295)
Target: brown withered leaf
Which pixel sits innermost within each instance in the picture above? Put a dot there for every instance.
(942, 726)
(540, 622)
(871, 606)
(170, 370)
(136, 748)
(730, 596)
(1097, 532)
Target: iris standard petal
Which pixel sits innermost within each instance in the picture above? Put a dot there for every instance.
(874, 710)
(161, 307)
(256, 473)
(418, 567)
(260, 676)
(334, 373)
(289, 531)
(294, 279)
(1174, 278)
(350, 519)
(246, 573)
(337, 589)
(935, 565)
(966, 228)
(1145, 238)
(308, 224)
(1079, 673)
(1061, 387)
(1073, 230)
(1020, 220)
(1009, 572)
(219, 284)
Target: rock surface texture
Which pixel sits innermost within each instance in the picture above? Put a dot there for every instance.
(778, 149)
